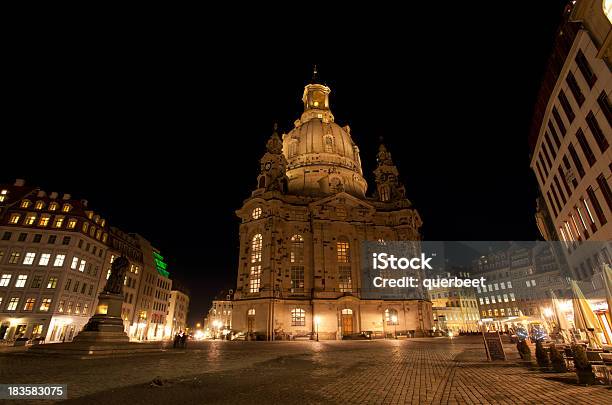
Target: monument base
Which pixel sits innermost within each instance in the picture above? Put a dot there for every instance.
(84, 349)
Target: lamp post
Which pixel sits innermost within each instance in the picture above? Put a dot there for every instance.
(317, 320)
(394, 319)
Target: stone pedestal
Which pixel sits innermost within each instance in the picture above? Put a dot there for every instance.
(106, 325)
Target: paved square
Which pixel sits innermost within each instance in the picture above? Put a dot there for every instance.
(419, 371)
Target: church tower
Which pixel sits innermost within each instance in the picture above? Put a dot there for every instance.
(302, 230)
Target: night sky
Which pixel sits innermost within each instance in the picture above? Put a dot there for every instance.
(162, 130)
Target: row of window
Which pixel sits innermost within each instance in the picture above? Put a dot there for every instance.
(492, 299)
(502, 312)
(28, 304)
(44, 259)
(580, 222)
(20, 282)
(495, 287)
(57, 222)
(39, 205)
(76, 285)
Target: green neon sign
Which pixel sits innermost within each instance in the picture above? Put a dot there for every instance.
(160, 265)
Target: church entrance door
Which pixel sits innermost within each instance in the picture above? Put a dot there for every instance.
(347, 322)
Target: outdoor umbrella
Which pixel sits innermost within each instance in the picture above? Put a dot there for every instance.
(607, 276)
(583, 315)
(560, 319)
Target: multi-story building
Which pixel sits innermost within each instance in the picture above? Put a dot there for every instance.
(153, 295)
(301, 231)
(455, 309)
(55, 258)
(519, 281)
(219, 315)
(178, 309)
(570, 144)
(52, 250)
(571, 136)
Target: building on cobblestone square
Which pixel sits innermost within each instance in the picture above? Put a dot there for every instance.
(301, 232)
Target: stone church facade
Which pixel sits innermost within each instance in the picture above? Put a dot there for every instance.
(301, 232)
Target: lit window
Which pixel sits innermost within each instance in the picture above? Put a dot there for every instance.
(60, 306)
(66, 208)
(505, 297)
(297, 249)
(44, 259)
(85, 308)
(29, 304)
(59, 260)
(607, 6)
(298, 317)
(85, 226)
(14, 258)
(391, 316)
(98, 234)
(251, 312)
(39, 205)
(3, 194)
(256, 248)
(69, 307)
(29, 258)
(14, 218)
(255, 279)
(52, 283)
(108, 274)
(75, 263)
(5, 280)
(512, 297)
(21, 280)
(104, 237)
(30, 219)
(25, 204)
(82, 265)
(59, 221)
(12, 305)
(44, 220)
(329, 144)
(45, 305)
(77, 309)
(53, 206)
(343, 253)
(256, 214)
(345, 283)
(509, 284)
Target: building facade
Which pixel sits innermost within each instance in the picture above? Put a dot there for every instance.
(570, 144)
(55, 257)
(519, 283)
(301, 233)
(52, 251)
(178, 309)
(219, 317)
(455, 310)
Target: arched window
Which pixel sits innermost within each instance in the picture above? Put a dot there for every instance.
(329, 144)
(343, 257)
(255, 274)
(251, 312)
(298, 317)
(256, 214)
(347, 311)
(385, 194)
(297, 263)
(391, 316)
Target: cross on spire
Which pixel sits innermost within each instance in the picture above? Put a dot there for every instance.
(315, 74)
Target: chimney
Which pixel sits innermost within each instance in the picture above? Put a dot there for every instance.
(20, 182)
(66, 196)
(41, 193)
(53, 195)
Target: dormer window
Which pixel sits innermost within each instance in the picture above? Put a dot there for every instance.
(39, 205)
(66, 208)
(25, 203)
(14, 218)
(329, 144)
(53, 206)
(3, 194)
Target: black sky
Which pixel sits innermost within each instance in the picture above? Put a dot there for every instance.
(162, 130)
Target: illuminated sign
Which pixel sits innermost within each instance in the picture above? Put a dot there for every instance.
(160, 265)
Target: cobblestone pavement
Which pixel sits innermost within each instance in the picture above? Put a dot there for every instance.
(419, 371)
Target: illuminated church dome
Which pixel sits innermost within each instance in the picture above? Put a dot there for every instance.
(322, 157)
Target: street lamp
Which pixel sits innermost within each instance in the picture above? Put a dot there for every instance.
(317, 320)
(394, 319)
(217, 325)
